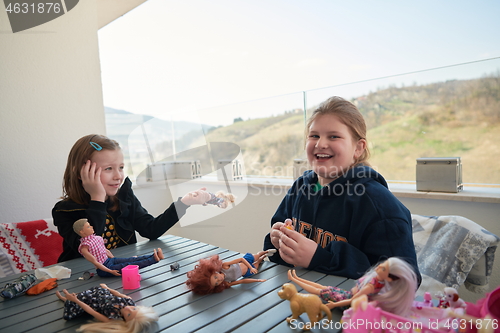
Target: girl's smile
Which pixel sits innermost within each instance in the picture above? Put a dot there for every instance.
(330, 148)
(111, 164)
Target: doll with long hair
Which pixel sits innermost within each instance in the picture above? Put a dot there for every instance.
(212, 275)
(115, 312)
(391, 283)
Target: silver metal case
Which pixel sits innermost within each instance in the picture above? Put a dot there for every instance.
(439, 174)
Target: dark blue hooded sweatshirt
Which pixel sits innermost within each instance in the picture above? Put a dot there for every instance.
(355, 219)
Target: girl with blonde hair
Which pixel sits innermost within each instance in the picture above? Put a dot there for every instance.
(339, 217)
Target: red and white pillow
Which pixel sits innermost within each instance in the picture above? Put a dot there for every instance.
(25, 246)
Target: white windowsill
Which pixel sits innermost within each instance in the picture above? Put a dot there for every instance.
(470, 192)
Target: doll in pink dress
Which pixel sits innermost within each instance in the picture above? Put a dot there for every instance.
(392, 283)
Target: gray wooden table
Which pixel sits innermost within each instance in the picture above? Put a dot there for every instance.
(254, 307)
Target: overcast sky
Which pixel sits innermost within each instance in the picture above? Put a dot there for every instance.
(169, 57)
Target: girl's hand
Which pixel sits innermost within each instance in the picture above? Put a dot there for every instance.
(296, 249)
(276, 232)
(104, 286)
(253, 270)
(90, 175)
(197, 197)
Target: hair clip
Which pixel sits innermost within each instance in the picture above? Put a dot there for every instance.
(95, 146)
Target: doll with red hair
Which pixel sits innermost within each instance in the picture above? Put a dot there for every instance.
(212, 275)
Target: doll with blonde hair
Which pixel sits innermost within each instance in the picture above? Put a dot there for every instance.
(392, 284)
(115, 312)
(93, 248)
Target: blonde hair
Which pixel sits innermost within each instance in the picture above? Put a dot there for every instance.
(78, 225)
(144, 318)
(350, 116)
(397, 296)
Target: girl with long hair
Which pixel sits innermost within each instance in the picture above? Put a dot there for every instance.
(95, 188)
(343, 217)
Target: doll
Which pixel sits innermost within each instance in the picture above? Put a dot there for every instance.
(114, 311)
(92, 248)
(392, 283)
(220, 199)
(212, 275)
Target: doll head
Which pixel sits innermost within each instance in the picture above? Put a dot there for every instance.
(83, 228)
(401, 284)
(144, 317)
(199, 279)
(227, 197)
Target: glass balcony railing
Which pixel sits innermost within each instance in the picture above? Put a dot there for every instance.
(443, 112)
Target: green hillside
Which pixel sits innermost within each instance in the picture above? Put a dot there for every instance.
(453, 118)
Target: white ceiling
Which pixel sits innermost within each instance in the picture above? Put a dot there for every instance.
(110, 10)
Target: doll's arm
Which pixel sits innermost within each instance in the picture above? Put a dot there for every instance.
(244, 281)
(234, 261)
(246, 263)
(114, 292)
(109, 254)
(242, 261)
(366, 290)
(85, 307)
(345, 302)
(87, 255)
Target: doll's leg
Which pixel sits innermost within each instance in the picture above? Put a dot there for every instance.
(159, 254)
(142, 261)
(259, 257)
(309, 286)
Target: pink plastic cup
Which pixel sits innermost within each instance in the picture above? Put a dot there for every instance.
(131, 277)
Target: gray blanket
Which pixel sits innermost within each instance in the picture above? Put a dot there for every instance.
(451, 251)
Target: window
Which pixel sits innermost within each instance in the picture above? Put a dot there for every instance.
(226, 49)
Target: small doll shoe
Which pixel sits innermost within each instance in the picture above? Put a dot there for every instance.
(271, 252)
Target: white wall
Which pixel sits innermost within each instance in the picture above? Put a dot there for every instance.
(50, 95)
(243, 228)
